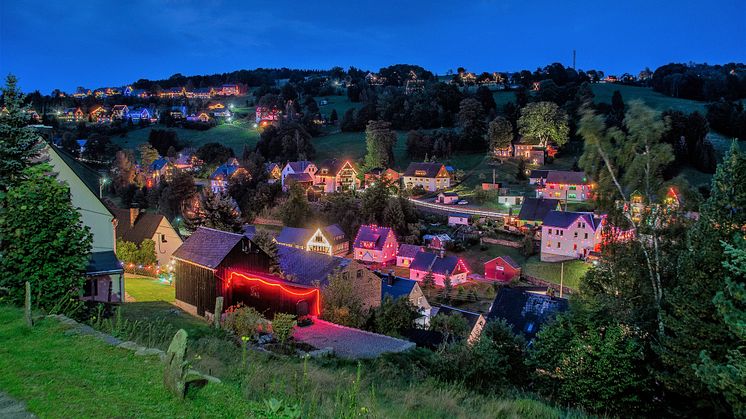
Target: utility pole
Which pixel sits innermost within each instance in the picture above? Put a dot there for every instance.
(562, 277)
(573, 60)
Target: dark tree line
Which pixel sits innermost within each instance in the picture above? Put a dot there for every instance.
(701, 81)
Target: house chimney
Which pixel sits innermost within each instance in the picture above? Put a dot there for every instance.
(441, 253)
(390, 278)
(133, 216)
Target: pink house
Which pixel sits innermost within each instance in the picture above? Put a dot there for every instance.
(406, 254)
(440, 265)
(570, 235)
(375, 244)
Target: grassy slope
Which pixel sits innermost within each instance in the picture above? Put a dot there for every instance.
(655, 100)
(236, 135)
(59, 375)
(143, 288)
(65, 376)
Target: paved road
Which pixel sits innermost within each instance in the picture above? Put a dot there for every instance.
(347, 342)
(458, 209)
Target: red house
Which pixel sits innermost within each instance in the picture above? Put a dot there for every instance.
(375, 244)
(501, 268)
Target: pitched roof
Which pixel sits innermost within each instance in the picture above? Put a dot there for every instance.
(144, 227)
(566, 177)
(535, 209)
(100, 263)
(507, 259)
(564, 219)
(90, 177)
(370, 233)
(426, 261)
(397, 288)
(458, 214)
(332, 166)
(540, 174)
(525, 311)
(224, 171)
(471, 317)
(294, 236)
(159, 163)
(431, 169)
(307, 268)
(409, 250)
(248, 231)
(299, 166)
(207, 247)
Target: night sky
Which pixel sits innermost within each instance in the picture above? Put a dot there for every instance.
(63, 44)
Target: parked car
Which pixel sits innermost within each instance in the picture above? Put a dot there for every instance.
(463, 202)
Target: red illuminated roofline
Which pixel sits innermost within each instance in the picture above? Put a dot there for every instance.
(286, 290)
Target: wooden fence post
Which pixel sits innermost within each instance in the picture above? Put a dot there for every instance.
(27, 306)
(218, 311)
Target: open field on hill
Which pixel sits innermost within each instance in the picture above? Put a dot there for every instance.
(235, 135)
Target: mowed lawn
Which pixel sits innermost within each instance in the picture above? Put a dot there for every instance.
(64, 376)
(655, 100)
(533, 266)
(235, 135)
(144, 288)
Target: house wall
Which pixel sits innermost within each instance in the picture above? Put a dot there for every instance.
(366, 284)
(386, 254)
(573, 193)
(452, 221)
(492, 270)
(430, 184)
(166, 242)
(573, 242)
(93, 212)
(403, 261)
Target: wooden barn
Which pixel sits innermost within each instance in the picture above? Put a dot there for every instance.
(501, 268)
(212, 263)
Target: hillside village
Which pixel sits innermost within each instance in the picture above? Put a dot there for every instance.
(463, 250)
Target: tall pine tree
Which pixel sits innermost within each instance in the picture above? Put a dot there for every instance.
(692, 320)
(19, 143)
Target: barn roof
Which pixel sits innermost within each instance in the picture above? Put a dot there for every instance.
(508, 260)
(207, 247)
(525, 311)
(308, 268)
(535, 209)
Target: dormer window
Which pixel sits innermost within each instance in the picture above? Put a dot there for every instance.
(420, 173)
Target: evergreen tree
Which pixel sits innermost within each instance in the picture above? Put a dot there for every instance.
(124, 171)
(379, 142)
(42, 238)
(692, 319)
(393, 317)
(728, 377)
(428, 283)
(295, 211)
(393, 216)
(267, 243)
(216, 211)
(333, 117)
(471, 119)
(447, 288)
(19, 143)
(374, 202)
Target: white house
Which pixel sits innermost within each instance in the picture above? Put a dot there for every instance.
(298, 167)
(455, 219)
(431, 176)
(570, 235)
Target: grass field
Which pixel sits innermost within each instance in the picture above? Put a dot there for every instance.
(59, 376)
(340, 103)
(235, 135)
(658, 101)
(574, 270)
(143, 288)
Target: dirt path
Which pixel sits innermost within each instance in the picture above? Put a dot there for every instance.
(13, 409)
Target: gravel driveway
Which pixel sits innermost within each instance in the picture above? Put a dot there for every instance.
(347, 342)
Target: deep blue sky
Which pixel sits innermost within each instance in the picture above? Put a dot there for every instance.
(63, 44)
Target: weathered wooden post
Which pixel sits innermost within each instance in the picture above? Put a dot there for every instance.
(27, 306)
(218, 312)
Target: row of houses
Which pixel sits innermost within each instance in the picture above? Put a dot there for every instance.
(103, 114)
(174, 92)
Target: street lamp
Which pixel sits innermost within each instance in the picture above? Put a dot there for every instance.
(101, 182)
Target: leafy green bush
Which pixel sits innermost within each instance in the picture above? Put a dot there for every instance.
(245, 321)
(282, 326)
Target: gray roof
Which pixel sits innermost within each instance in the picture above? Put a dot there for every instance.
(426, 261)
(299, 166)
(207, 247)
(535, 209)
(470, 316)
(564, 219)
(525, 311)
(431, 169)
(409, 250)
(306, 268)
(105, 262)
(294, 236)
(566, 177)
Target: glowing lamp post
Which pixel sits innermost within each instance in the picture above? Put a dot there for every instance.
(103, 181)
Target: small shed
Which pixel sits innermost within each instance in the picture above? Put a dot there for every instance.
(455, 219)
(501, 268)
(447, 198)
